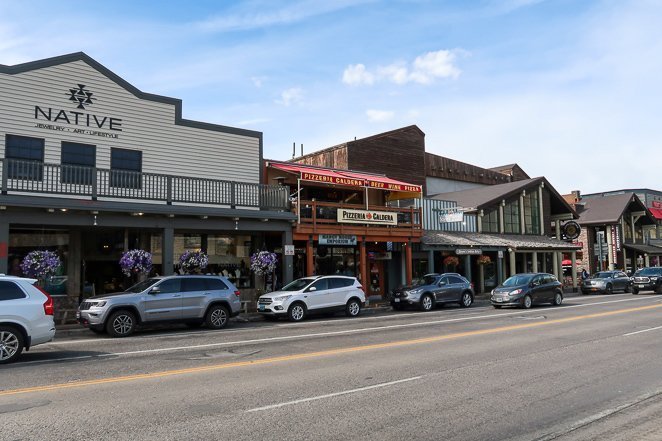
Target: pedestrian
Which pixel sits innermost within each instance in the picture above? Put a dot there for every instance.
(584, 274)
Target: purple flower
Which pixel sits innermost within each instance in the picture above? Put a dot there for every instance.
(191, 261)
(40, 264)
(263, 262)
(136, 262)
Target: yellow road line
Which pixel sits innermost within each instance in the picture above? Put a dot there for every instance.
(308, 355)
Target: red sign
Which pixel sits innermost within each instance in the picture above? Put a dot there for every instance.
(394, 187)
(339, 180)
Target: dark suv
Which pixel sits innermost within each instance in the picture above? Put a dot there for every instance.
(527, 289)
(433, 289)
(647, 279)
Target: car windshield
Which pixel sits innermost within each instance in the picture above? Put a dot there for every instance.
(142, 286)
(297, 285)
(425, 280)
(517, 280)
(648, 272)
(601, 276)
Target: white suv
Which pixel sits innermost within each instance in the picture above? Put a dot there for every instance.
(312, 295)
(26, 317)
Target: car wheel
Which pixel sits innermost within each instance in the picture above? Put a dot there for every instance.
(398, 307)
(609, 290)
(353, 308)
(297, 312)
(121, 324)
(11, 344)
(427, 303)
(467, 300)
(558, 299)
(527, 302)
(635, 291)
(217, 317)
(193, 325)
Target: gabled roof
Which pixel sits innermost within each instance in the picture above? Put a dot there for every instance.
(511, 170)
(81, 56)
(483, 197)
(607, 210)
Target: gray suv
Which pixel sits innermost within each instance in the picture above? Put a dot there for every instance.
(194, 300)
(433, 289)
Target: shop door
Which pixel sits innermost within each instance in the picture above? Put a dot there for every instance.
(376, 278)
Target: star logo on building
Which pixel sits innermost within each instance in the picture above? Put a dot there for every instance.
(81, 96)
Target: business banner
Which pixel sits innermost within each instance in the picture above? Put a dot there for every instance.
(367, 217)
(337, 239)
(450, 215)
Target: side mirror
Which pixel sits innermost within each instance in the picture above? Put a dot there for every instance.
(442, 283)
(155, 290)
(312, 289)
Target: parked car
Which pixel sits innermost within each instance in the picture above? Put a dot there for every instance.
(434, 289)
(26, 317)
(647, 279)
(607, 282)
(191, 299)
(313, 295)
(528, 289)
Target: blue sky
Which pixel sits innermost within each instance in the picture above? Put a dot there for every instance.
(567, 89)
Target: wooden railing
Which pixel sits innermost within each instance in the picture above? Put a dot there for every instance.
(325, 214)
(37, 177)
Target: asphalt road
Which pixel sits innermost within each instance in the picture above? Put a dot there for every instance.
(589, 369)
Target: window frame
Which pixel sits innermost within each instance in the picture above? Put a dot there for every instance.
(16, 286)
(69, 174)
(16, 171)
(122, 177)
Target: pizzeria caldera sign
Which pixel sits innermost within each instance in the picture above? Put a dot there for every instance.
(356, 182)
(367, 217)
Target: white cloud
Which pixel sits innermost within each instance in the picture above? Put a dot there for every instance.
(355, 75)
(258, 81)
(379, 115)
(288, 97)
(425, 69)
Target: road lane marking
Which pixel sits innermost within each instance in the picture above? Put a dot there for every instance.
(318, 354)
(335, 394)
(339, 321)
(305, 336)
(644, 330)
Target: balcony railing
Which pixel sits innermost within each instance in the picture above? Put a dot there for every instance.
(324, 214)
(37, 177)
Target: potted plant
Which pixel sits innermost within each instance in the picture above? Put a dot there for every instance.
(193, 261)
(484, 260)
(136, 263)
(262, 264)
(40, 264)
(451, 261)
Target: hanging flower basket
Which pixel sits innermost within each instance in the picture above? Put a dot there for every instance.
(193, 261)
(136, 262)
(263, 262)
(484, 260)
(451, 261)
(40, 264)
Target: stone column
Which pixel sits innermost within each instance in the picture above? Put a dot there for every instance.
(610, 255)
(408, 263)
(513, 262)
(310, 258)
(4, 246)
(502, 225)
(555, 257)
(467, 267)
(168, 251)
(634, 235)
(544, 262)
(534, 261)
(363, 266)
(522, 221)
(481, 278)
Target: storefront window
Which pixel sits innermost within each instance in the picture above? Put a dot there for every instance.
(490, 221)
(532, 213)
(336, 260)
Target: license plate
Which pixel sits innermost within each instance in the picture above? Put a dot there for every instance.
(260, 307)
(499, 300)
(641, 286)
(396, 300)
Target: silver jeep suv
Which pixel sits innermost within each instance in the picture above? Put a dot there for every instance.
(191, 299)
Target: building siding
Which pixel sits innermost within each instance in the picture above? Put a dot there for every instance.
(148, 126)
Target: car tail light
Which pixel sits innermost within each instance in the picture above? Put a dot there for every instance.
(237, 293)
(48, 304)
(472, 285)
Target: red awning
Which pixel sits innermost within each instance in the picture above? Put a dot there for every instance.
(656, 212)
(345, 177)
